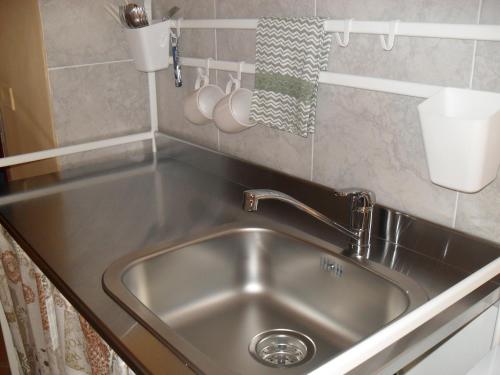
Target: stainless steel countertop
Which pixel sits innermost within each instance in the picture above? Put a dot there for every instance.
(75, 226)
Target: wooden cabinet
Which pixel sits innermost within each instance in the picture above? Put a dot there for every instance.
(25, 103)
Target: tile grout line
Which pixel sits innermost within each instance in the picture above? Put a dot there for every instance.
(311, 175)
(455, 210)
(90, 64)
(471, 80)
(216, 55)
(474, 49)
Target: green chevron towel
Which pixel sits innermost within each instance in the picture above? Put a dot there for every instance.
(290, 53)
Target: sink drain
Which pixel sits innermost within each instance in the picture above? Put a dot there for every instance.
(282, 348)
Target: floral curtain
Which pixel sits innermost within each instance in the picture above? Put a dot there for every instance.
(49, 336)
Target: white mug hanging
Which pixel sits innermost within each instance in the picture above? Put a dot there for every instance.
(199, 105)
(232, 112)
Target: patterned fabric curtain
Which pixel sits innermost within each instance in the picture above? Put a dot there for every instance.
(50, 337)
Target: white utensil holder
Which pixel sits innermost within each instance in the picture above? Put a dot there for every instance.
(149, 46)
(461, 131)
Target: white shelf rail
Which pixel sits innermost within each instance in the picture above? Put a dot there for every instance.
(348, 80)
(413, 29)
(67, 150)
(410, 29)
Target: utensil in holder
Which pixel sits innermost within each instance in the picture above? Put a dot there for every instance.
(149, 46)
(461, 131)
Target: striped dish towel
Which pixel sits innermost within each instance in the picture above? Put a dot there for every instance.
(290, 53)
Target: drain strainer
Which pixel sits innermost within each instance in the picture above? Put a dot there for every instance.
(282, 348)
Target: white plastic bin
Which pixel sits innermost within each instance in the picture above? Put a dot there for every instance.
(149, 46)
(461, 131)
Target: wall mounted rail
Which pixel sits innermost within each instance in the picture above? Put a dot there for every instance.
(348, 80)
(68, 150)
(409, 29)
(413, 29)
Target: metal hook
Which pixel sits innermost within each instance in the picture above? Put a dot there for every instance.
(235, 82)
(203, 76)
(393, 29)
(347, 30)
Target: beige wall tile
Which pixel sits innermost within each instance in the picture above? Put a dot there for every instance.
(449, 11)
(478, 213)
(111, 156)
(272, 148)
(425, 60)
(372, 140)
(240, 44)
(81, 32)
(487, 69)
(99, 101)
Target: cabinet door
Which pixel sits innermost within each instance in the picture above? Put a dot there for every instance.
(48, 335)
(461, 351)
(25, 103)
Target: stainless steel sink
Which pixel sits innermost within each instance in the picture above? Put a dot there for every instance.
(258, 301)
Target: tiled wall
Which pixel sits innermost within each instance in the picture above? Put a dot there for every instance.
(364, 139)
(96, 91)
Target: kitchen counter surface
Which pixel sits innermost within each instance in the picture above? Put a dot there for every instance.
(76, 225)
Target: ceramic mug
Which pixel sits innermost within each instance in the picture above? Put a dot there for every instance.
(199, 105)
(232, 112)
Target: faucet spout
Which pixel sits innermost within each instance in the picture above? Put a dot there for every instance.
(362, 203)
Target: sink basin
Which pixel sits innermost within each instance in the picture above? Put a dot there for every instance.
(258, 300)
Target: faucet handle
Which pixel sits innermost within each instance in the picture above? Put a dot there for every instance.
(362, 202)
(360, 199)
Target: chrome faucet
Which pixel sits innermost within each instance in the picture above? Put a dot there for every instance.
(361, 213)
